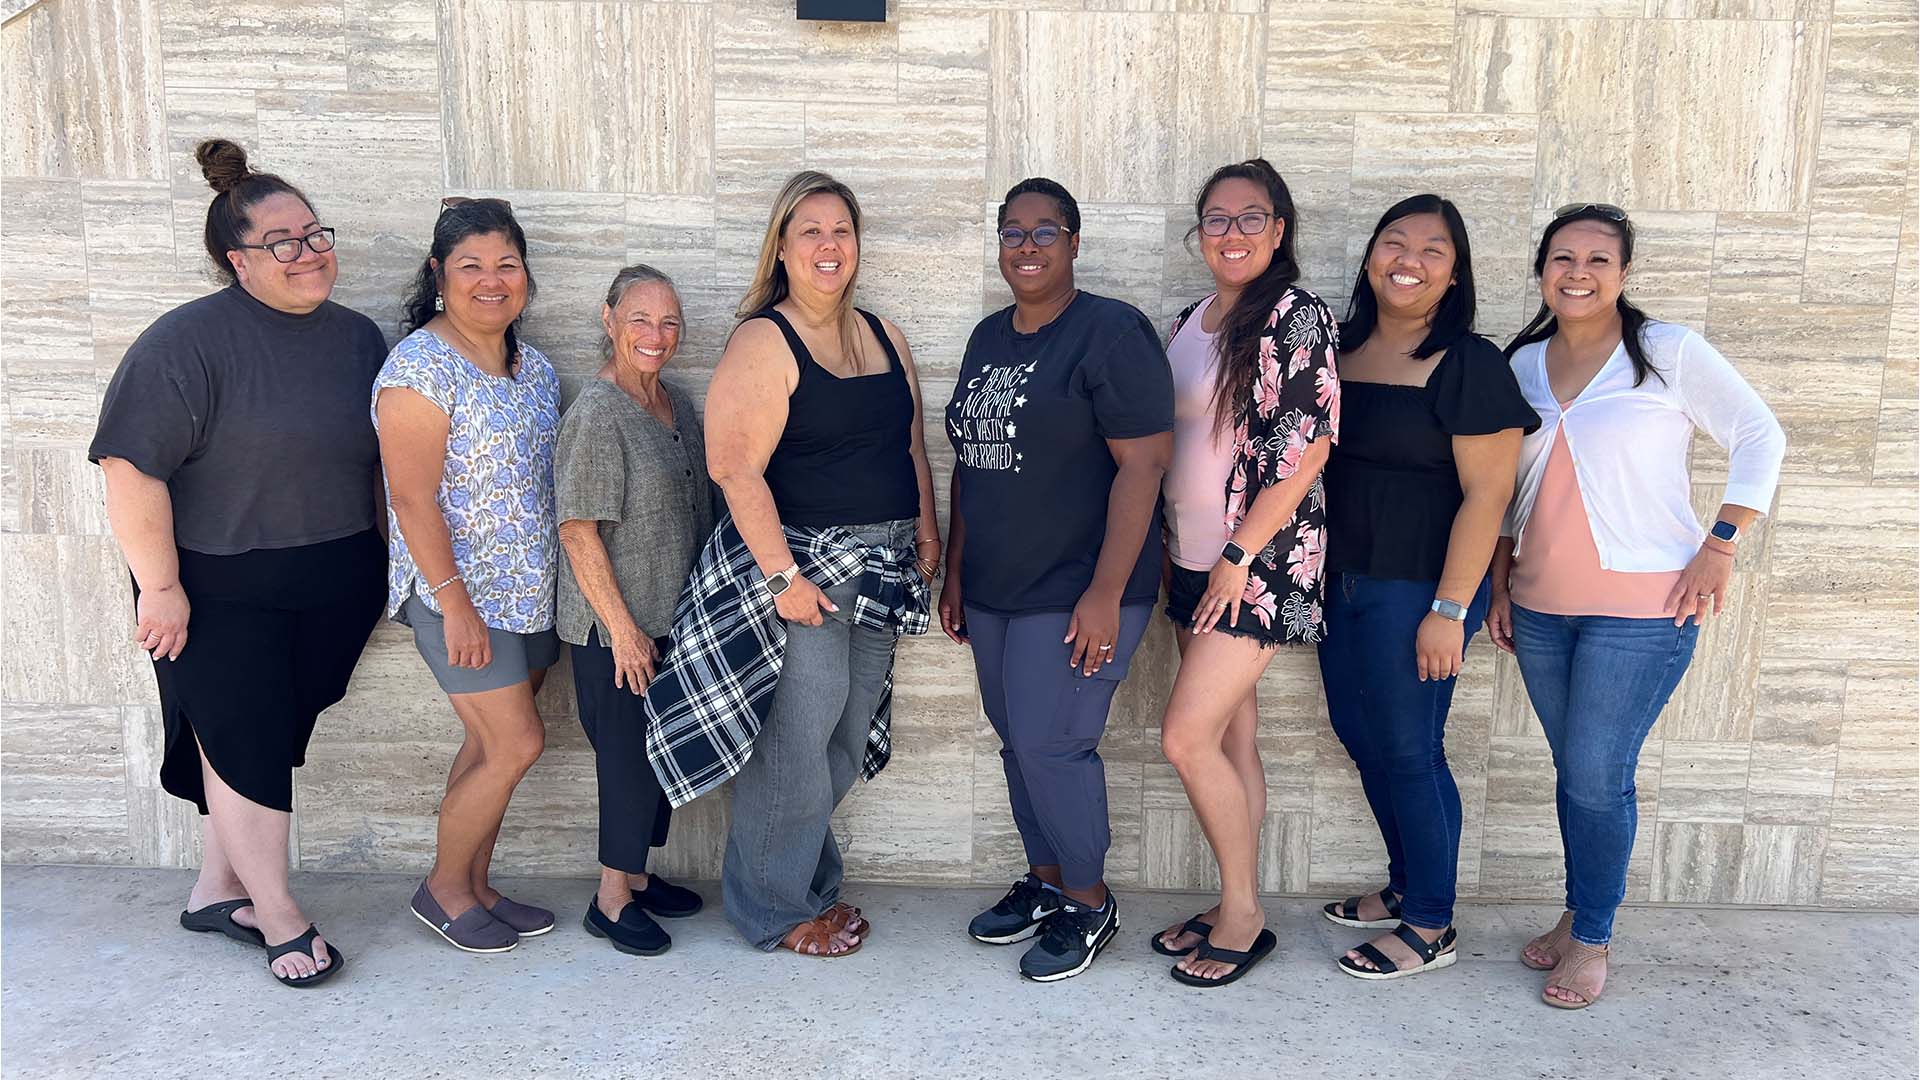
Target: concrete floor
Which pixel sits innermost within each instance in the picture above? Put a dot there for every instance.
(101, 981)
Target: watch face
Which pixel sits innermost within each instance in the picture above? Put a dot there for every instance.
(1724, 530)
(778, 584)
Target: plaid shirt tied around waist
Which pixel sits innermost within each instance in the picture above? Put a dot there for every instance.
(708, 701)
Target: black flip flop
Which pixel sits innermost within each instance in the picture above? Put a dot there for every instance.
(1193, 926)
(304, 944)
(218, 919)
(1242, 961)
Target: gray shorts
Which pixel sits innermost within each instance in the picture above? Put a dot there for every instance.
(515, 656)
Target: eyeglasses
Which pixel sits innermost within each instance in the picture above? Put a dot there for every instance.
(455, 202)
(1251, 223)
(1605, 210)
(319, 241)
(1043, 235)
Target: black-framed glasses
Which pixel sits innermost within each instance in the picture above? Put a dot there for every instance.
(455, 202)
(1043, 235)
(1605, 210)
(319, 241)
(1251, 223)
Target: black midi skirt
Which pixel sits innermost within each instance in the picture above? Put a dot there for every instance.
(271, 642)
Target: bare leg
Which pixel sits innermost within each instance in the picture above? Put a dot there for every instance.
(506, 737)
(253, 841)
(1217, 675)
(217, 881)
(483, 864)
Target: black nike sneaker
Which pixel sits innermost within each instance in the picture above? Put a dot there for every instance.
(1018, 914)
(1070, 940)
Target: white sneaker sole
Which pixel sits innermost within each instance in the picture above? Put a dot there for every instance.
(1092, 955)
(463, 948)
(1010, 939)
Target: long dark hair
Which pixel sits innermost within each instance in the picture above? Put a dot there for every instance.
(1242, 326)
(236, 189)
(477, 217)
(1633, 321)
(1452, 318)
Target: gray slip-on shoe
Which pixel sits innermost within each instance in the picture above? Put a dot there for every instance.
(526, 920)
(475, 931)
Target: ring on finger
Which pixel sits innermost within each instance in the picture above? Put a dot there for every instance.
(1106, 648)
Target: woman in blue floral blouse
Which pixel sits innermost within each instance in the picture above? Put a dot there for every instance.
(1256, 411)
(468, 417)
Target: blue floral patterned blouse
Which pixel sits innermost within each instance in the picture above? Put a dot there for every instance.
(497, 490)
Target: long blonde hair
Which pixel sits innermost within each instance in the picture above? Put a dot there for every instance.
(770, 284)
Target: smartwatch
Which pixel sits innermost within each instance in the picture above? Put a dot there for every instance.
(1725, 531)
(782, 581)
(1451, 610)
(1236, 554)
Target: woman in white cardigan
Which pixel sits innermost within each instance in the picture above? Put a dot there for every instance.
(1603, 573)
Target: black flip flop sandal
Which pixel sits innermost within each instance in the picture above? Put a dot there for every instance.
(1242, 961)
(1347, 912)
(304, 944)
(1435, 954)
(218, 919)
(1193, 926)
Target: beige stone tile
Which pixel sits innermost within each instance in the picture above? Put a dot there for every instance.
(1698, 862)
(997, 854)
(1759, 257)
(63, 784)
(1790, 783)
(1520, 852)
(1331, 56)
(1121, 150)
(1877, 777)
(757, 146)
(52, 392)
(1484, 163)
(1738, 9)
(1799, 701)
(909, 165)
(96, 625)
(1344, 850)
(194, 114)
(33, 665)
(1715, 699)
(53, 491)
(1871, 69)
(1780, 864)
(1184, 277)
(1871, 866)
(696, 839)
(1513, 715)
(372, 806)
(255, 44)
(1217, 102)
(1314, 154)
(575, 244)
(1607, 9)
(911, 823)
(394, 46)
(1896, 450)
(1853, 228)
(761, 53)
(1174, 852)
(1830, 409)
(1842, 593)
(1673, 262)
(68, 110)
(1703, 781)
(670, 58)
(1286, 851)
(945, 56)
(162, 830)
(133, 275)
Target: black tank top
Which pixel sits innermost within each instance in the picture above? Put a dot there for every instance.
(845, 457)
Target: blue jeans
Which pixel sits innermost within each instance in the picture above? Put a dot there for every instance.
(1394, 727)
(1598, 683)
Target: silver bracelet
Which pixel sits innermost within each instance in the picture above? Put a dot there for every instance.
(434, 590)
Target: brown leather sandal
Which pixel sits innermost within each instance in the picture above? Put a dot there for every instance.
(1553, 943)
(846, 919)
(815, 938)
(1582, 970)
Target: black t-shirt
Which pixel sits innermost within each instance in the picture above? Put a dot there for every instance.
(1392, 486)
(258, 421)
(1028, 420)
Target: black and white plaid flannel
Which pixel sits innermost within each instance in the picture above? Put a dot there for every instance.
(713, 692)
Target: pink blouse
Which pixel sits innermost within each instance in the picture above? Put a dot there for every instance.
(1196, 483)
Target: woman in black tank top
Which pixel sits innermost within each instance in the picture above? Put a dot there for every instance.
(814, 435)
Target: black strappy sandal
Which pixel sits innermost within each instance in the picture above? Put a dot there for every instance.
(304, 944)
(1347, 912)
(1437, 954)
(1242, 961)
(1193, 926)
(218, 919)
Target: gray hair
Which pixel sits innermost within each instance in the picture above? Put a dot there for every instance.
(627, 278)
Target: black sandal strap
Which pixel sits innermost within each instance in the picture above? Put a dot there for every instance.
(301, 944)
(1237, 958)
(1377, 958)
(1195, 926)
(1392, 903)
(1421, 947)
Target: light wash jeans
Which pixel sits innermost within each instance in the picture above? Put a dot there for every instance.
(782, 866)
(1598, 683)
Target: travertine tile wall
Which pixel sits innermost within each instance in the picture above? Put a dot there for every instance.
(1766, 147)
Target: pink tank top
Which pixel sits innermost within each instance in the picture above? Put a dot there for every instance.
(1558, 571)
(1196, 482)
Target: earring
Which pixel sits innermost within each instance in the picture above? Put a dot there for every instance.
(439, 302)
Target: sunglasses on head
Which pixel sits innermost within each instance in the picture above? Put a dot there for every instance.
(1605, 210)
(455, 202)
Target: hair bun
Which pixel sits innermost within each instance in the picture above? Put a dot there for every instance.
(223, 163)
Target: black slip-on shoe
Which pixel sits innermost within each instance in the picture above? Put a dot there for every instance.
(667, 900)
(635, 934)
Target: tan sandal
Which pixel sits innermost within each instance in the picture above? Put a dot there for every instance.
(1582, 970)
(1551, 943)
(815, 938)
(846, 919)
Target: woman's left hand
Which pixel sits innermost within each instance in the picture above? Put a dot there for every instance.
(1437, 647)
(1092, 630)
(1226, 584)
(1702, 588)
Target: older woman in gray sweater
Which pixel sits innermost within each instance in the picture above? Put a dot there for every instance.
(635, 505)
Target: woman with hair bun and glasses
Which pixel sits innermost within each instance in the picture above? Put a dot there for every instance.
(1256, 412)
(1603, 573)
(242, 486)
(1431, 428)
(468, 415)
(635, 505)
